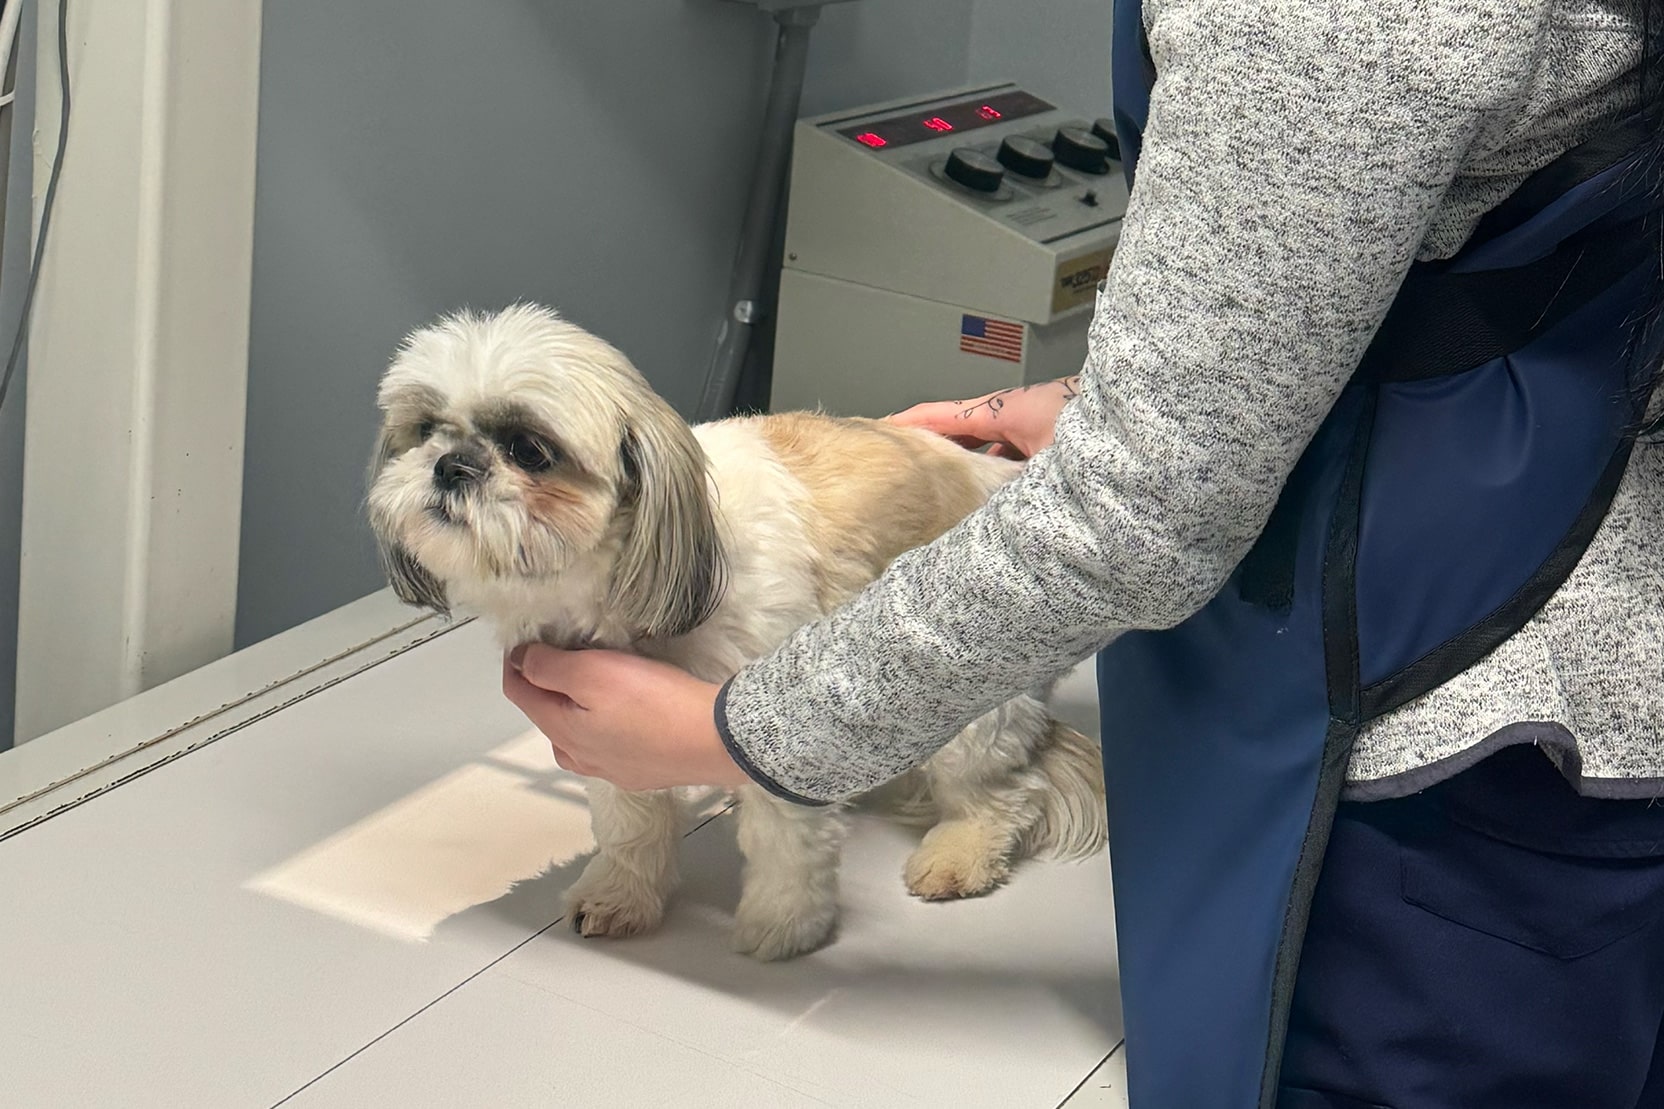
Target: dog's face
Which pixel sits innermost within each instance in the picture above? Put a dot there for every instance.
(518, 451)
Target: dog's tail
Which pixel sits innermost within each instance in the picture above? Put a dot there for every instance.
(1072, 823)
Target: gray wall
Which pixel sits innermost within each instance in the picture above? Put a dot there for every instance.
(1059, 48)
(14, 273)
(419, 155)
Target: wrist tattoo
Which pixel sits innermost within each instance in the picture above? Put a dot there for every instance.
(993, 402)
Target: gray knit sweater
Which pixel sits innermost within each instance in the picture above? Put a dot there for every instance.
(1300, 154)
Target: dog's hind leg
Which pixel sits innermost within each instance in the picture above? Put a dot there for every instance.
(1013, 784)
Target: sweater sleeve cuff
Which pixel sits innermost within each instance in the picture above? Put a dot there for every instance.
(743, 760)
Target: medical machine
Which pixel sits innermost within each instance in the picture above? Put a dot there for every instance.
(945, 246)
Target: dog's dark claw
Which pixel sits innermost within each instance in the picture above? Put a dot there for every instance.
(578, 923)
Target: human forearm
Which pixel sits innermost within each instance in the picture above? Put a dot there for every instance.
(1249, 280)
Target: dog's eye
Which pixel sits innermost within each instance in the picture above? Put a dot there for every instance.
(425, 429)
(528, 454)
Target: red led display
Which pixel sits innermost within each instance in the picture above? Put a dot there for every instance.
(924, 124)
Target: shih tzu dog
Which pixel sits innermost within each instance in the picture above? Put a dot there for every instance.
(526, 472)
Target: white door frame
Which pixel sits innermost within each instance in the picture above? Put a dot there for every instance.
(138, 352)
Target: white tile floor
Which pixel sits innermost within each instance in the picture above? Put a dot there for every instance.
(354, 902)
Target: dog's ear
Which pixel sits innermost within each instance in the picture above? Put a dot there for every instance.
(671, 571)
(411, 583)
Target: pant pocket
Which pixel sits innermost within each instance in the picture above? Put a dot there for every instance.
(1560, 906)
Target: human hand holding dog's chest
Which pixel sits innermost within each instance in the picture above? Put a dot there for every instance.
(635, 722)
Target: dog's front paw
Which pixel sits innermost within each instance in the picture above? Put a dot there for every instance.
(775, 930)
(957, 859)
(609, 900)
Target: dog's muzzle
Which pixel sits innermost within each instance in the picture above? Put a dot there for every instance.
(457, 470)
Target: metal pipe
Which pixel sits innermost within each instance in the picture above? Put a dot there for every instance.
(791, 59)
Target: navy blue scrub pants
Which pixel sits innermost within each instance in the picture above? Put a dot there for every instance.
(1495, 942)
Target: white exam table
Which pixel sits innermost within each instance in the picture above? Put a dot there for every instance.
(326, 872)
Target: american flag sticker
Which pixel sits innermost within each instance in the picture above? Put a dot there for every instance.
(991, 338)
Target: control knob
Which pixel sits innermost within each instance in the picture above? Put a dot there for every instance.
(974, 170)
(1105, 130)
(1082, 150)
(1026, 158)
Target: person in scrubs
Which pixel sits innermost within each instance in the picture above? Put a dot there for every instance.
(1359, 501)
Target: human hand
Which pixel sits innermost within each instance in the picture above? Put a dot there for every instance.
(1018, 423)
(635, 722)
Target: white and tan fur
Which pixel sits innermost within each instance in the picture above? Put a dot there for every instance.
(581, 510)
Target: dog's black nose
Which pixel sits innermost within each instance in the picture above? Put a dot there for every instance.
(455, 470)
